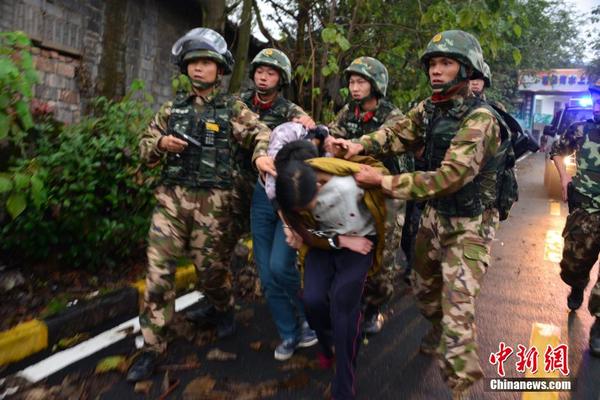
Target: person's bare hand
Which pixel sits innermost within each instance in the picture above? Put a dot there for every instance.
(306, 120)
(564, 183)
(357, 244)
(266, 165)
(368, 177)
(292, 238)
(172, 144)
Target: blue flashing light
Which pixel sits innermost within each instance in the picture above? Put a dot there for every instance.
(585, 101)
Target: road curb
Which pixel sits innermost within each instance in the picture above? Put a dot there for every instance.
(28, 338)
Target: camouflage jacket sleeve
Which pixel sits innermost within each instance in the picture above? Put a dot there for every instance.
(249, 131)
(569, 141)
(295, 111)
(336, 126)
(476, 141)
(397, 135)
(149, 151)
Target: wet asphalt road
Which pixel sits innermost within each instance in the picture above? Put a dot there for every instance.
(521, 287)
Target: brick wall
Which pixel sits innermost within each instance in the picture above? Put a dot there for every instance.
(88, 48)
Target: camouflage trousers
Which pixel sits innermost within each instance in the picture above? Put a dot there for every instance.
(379, 287)
(451, 258)
(580, 253)
(185, 221)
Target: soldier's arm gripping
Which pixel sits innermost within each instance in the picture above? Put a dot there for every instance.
(149, 150)
(249, 131)
(336, 127)
(476, 141)
(398, 134)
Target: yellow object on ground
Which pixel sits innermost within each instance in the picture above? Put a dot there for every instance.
(23, 340)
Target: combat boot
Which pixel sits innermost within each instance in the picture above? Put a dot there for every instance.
(225, 324)
(206, 313)
(373, 322)
(575, 298)
(595, 338)
(431, 340)
(143, 367)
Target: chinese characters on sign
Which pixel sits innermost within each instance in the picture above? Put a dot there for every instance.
(555, 359)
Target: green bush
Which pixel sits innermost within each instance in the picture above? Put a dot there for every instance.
(97, 196)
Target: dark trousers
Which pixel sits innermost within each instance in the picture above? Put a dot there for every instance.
(333, 286)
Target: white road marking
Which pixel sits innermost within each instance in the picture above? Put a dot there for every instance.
(60, 360)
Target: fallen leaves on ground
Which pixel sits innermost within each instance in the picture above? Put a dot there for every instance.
(220, 355)
(65, 343)
(112, 363)
(256, 345)
(143, 387)
(199, 387)
(298, 362)
(205, 337)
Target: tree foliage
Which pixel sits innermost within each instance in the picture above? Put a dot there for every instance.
(322, 37)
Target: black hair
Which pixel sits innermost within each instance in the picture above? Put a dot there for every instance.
(298, 150)
(295, 186)
(296, 183)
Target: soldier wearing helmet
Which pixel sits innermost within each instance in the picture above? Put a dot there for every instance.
(367, 111)
(271, 71)
(478, 85)
(582, 229)
(194, 138)
(460, 136)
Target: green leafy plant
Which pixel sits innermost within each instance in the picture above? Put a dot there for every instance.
(98, 197)
(21, 186)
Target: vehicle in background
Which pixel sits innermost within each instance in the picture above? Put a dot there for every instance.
(574, 112)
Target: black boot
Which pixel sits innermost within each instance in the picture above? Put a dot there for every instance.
(225, 324)
(575, 298)
(206, 313)
(143, 367)
(373, 322)
(595, 338)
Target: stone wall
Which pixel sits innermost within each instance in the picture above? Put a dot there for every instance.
(93, 47)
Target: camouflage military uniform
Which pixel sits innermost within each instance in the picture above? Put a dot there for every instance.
(277, 113)
(350, 123)
(452, 252)
(189, 214)
(582, 229)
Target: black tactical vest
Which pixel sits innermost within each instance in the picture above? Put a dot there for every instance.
(211, 164)
(442, 125)
(355, 127)
(273, 116)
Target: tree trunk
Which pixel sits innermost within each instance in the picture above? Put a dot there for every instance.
(213, 15)
(241, 52)
(322, 63)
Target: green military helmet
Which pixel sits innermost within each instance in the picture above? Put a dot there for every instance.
(202, 43)
(487, 75)
(276, 59)
(460, 45)
(594, 86)
(373, 70)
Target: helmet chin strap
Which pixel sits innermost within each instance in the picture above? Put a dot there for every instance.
(201, 85)
(443, 92)
(363, 101)
(268, 91)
